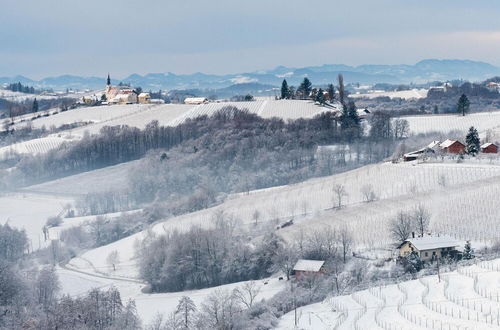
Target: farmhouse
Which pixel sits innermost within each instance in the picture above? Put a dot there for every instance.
(452, 147)
(305, 267)
(196, 100)
(144, 98)
(489, 148)
(431, 148)
(429, 248)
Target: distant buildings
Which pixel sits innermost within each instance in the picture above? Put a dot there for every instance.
(452, 147)
(489, 148)
(124, 94)
(195, 100)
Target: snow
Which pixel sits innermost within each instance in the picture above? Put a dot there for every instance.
(428, 303)
(433, 242)
(32, 147)
(409, 94)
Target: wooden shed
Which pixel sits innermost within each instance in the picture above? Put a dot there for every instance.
(489, 148)
(305, 267)
(452, 147)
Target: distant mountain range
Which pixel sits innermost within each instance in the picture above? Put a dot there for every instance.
(263, 81)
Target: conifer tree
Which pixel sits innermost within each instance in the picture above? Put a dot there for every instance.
(349, 121)
(320, 96)
(472, 142)
(285, 93)
(305, 88)
(331, 92)
(341, 89)
(35, 106)
(463, 105)
(468, 252)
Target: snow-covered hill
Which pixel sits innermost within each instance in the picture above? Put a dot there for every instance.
(464, 299)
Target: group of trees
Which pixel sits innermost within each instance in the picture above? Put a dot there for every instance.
(306, 91)
(406, 223)
(18, 87)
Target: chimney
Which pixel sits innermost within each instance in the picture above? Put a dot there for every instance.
(412, 234)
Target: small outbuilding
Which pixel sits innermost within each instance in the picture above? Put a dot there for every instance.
(489, 148)
(305, 267)
(144, 98)
(452, 147)
(195, 100)
(429, 248)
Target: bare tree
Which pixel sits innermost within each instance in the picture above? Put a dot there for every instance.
(400, 227)
(185, 308)
(339, 193)
(247, 293)
(113, 259)
(285, 259)
(421, 219)
(368, 193)
(345, 240)
(256, 216)
(401, 128)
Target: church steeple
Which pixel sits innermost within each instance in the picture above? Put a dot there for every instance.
(108, 82)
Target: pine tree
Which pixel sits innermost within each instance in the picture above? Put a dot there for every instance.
(305, 88)
(320, 96)
(331, 92)
(472, 142)
(463, 105)
(285, 92)
(35, 106)
(468, 252)
(349, 121)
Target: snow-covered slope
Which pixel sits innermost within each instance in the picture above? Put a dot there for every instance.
(464, 299)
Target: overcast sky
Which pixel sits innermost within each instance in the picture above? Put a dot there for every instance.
(42, 38)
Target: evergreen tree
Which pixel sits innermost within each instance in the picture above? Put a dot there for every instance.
(468, 252)
(285, 92)
(35, 106)
(472, 142)
(349, 121)
(305, 88)
(331, 92)
(463, 105)
(320, 96)
(436, 109)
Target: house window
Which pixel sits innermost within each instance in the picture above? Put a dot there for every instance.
(433, 253)
(426, 254)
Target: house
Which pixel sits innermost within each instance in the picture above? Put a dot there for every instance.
(144, 98)
(195, 100)
(429, 149)
(305, 267)
(125, 97)
(452, 147)
(428, 248)
(489, 148)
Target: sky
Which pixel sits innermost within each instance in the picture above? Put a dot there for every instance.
(41, 38)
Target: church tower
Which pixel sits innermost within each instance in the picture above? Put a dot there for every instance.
(108, 82)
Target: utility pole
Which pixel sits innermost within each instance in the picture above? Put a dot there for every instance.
(439, 275)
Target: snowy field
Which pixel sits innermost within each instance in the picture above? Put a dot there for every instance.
(409, 94)
(442, 188)
(464, 299)
(482, 121)
(30, 212)
(32, 147)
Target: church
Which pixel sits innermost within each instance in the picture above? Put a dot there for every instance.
(120, 94)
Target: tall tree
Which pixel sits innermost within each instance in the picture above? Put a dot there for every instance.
(463, 105)
(305, 88)
(285, 92)
(341, 89)
(349, 121)
(320, 97)
(331, 92)
(185, 308)
(34, 108)
(472, 142)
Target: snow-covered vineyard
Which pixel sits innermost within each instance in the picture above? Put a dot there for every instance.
(463, 299)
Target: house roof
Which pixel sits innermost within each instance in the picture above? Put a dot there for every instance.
(448, 143)
(433, 242)
(308, 265)
(144, 95)
(486, 145)
(433, 144)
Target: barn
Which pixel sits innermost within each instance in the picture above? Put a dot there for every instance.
(195, 100)
(489, 148)
(305, 267)
(452, 147)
